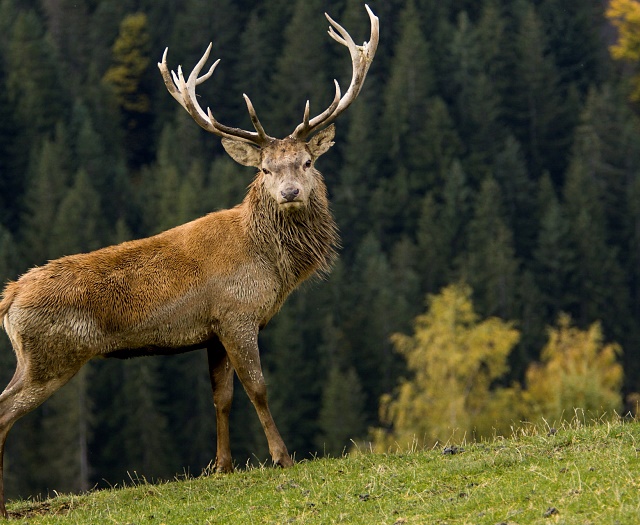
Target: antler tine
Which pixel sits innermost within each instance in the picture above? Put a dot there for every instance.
(305, 127)
(184, 91)
(361, 58)
(344, 38)
(254, 119)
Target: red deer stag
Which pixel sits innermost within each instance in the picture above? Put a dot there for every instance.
(211, 283)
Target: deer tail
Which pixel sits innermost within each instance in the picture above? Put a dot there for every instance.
(8, 297)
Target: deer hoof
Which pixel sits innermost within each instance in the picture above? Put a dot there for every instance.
(223, 467)
(284, 461)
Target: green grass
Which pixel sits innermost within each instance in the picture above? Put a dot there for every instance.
(579, 474)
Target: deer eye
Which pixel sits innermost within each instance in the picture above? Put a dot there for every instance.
(265, 171)
(307, 164)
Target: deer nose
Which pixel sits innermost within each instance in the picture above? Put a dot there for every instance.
(290, 193)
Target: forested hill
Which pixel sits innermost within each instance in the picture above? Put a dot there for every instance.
(493, 143)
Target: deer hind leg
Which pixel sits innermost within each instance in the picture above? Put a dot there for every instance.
(245, 359)
(221, 374)
(23, 394)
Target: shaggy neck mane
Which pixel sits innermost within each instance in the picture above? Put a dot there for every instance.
(300, 242)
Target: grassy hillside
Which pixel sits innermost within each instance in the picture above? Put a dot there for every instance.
(577, 474)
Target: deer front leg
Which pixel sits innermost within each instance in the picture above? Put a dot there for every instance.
(221, 374)
(242, 349)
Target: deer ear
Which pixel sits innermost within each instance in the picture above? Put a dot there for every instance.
(242, 152)
(322, 141)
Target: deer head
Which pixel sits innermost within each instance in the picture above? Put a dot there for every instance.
(285, 165)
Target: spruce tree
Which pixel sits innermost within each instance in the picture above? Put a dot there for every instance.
(407, 92)
(599, 292)
(139, 435)
(302, 70)
(68, 29)
(490, 265)
(341, 419)
(77, 226)
(352, 182)
(478, 103)
(554, 260)
(189, 411)
(33, 86)
(49, 175)
(534, 98)
(517, 188)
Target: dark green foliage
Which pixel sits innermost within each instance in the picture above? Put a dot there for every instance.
(341, 418)
(490, 265)
(489, 143)
(302, 70)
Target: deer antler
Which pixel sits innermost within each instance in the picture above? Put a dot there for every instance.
(185, 93)
(361, 58)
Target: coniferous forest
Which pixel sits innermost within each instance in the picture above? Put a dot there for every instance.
(494, 143)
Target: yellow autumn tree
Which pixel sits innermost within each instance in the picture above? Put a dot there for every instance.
(454, 358)
(625, 16)
(130, 60)
(577, 371)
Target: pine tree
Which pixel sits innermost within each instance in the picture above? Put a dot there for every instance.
(189, 411)
(490, 265)
(139, 435)
(407, 93)
(352, 188)
(130, 60)
(600, 292)
(190, 205)
(49, 174)
(256, 56)
(534, 97)
(301, 71)
(441, 145)
(77, 226)
(631, 363)
(574, 33)
(105, 168)
(440, 231)
(368, 329)
(33, 86)
(341, 419)
(68, 29)
(555, 262)
(478, 101)
(160, 186)
(517, 188)
(227, 184)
